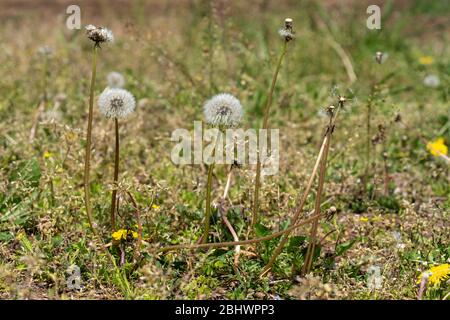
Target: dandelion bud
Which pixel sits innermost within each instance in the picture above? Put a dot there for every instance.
(116, 103)
(223, 110)
(99, 34)
(287, 32)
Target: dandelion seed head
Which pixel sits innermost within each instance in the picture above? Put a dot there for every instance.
(431, 81)
(115, 80)
(116, 103)
(223, 110)
(45, 51)
(99, 34)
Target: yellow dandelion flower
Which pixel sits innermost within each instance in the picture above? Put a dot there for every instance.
(47, 154)
(123, 233)
(119, 234)
(437, 147)
(426, 60)
(364, 219)
(437, 274)
(155, 207)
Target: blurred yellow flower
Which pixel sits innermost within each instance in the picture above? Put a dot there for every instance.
(436, 274)
(426, 60)
(47, 154)
(155, 206)
(123, 233)
(437, 147)
(364, 219)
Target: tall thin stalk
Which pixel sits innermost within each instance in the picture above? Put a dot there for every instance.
(208, 203)
(313, 233)
(116, 178)
(319, 161)
(264, 126)
(87, 160)
(323, 168)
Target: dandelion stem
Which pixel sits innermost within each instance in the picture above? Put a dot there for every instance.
(264, 126)
(208, 203)
(299, 208)
(116, 178)
(313, 233)
(87, 160)
(236, 243)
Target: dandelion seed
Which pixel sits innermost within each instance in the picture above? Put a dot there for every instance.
(437, 147)
(115, 80)
(431, 81)
(116, 103)
(99, 34)
(223, 110)
(426, 60)
(436, 274)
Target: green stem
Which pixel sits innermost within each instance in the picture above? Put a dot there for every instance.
(265, 125)
(87, 160)
(116, 178)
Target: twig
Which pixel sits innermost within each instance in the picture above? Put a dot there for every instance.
(234, 243)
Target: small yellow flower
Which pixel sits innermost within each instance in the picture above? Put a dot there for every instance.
(437, 147)
(437, 274)
(155, 207)
(364, 219)
(123, 233)
(426, 60)
(47, 154)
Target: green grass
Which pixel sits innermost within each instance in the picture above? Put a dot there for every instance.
(167, 65)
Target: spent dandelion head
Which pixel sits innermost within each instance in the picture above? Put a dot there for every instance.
(116, 103)
(287, 32)
(381, 57)
(223, 110)
(99, 34)
(115, 80)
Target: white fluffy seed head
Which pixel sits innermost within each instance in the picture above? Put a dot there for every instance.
(431, 81)
(115, 80)
(223, 110)
(116, 103)
(99, 34)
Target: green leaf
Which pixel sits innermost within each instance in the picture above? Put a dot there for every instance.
(341, 248)
(261, 230)
(295, 244)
